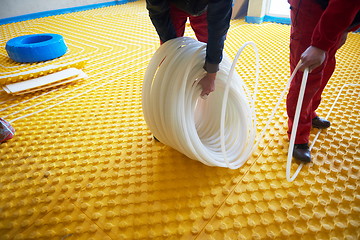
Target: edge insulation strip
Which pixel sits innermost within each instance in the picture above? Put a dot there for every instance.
(266, 18)
(61, 11)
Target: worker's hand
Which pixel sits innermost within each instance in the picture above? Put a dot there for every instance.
(207, 84)
(343, 39)
(312, 58)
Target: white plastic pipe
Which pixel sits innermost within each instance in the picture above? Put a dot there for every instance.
(296, 122)
(249, 147)
(295, 126)
(214, 132)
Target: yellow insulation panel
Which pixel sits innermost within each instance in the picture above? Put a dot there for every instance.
(83, 164)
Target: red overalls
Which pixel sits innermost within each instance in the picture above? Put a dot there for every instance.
(304, 19)
(198, 23)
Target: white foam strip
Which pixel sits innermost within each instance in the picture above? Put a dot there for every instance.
(82, 75)
(42, 81)
(41, 69)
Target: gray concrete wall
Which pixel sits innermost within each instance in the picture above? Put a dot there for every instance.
(14, 8)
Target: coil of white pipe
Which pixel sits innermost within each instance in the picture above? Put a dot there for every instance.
(179, 118)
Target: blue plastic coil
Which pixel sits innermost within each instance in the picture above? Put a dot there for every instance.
(36, 47)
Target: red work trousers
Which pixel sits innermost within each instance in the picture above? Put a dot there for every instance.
(197, 23)
(304, 20)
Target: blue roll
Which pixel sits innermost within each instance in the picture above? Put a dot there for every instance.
(36, 47)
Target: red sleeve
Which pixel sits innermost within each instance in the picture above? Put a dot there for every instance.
(335, 20)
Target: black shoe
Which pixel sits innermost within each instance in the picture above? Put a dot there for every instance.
(301, 152)
(320, 123)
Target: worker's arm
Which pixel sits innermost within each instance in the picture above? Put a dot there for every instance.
(218, 17)
(331, 29)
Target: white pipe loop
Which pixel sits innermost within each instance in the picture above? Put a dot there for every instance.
(295, 124)
(296, 121)
(203, 130)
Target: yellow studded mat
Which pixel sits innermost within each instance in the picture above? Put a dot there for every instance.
(83, 164)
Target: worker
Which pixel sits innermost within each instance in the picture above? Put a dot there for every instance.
(210, 20)
(318, 29)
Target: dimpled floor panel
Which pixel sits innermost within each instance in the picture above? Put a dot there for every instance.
(84, 165)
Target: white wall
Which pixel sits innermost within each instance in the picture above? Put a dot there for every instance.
(257, 8)
(279, 8)
(14, 8)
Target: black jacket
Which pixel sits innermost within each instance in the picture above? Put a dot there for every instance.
(218, 17)
(194, 8)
